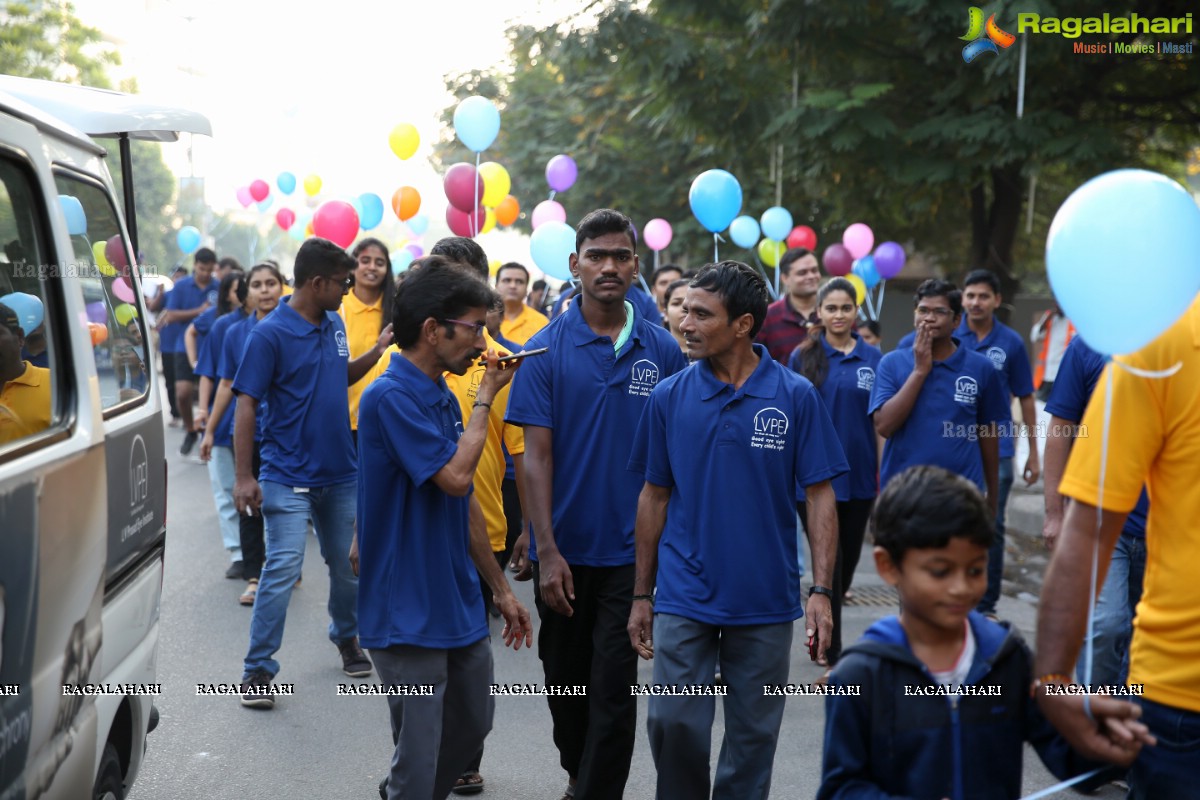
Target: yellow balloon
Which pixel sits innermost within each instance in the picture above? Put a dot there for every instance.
(404, 140)
(102, 260)
(308, 229)
(489, 220)
(860, 288)
(493, 267)
(312, 185)
(125, 313)
(496, 183)
(770, 250)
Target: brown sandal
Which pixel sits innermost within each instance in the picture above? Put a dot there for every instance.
(247, 598)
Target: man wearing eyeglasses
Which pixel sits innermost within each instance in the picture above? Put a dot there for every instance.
(297, 360)
(936, 402)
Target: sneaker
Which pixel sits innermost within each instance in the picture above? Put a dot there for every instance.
(254, 685)
(247, 598)
(234, 572)
(383, 788)
(189, 441)
(354, 661)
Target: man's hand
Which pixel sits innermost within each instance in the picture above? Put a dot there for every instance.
(1115, 736)
(247, 496)
(1051, 528)
(354, 554)
(923, 350)
(556, 584)
(1033, 469)
(818, 619)
(206, 445)
(199, 419)
(641, 628)
(496, 376)
(518, 629)
(520, 562)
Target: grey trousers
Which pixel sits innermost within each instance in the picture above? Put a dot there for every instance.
(436, 736)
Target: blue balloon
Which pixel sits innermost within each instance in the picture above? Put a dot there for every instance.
(188, 239)
(28, 308)
(865, 268)
(551, 246)
(73, 210)
(265, 203)
(715, 198)
(286, 182)
(401, 261)
(418, 223)
(477, 122)
(744, 232)
(372, 211)
(776, 223)
(1123, 226)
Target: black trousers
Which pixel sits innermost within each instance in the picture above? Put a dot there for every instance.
(594, 734)
(168, 364)
(250, 530)
(512, 514)
(852, 517)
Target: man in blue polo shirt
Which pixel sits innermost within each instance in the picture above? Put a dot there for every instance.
(937, 402)
(188, 299)
(419, 517)
(725, 449)
(579, 405)
(297, 360)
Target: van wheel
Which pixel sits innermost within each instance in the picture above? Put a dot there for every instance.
(110, 782)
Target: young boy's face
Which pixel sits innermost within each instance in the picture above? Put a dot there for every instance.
(938, 586)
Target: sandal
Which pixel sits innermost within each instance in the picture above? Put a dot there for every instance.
(247, 598)
(468, 783)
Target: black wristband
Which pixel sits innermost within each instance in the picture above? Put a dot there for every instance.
(481, 404)
(647, 597)
(820, 590)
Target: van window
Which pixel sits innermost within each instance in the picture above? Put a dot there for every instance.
(101, 261)
(27, 385)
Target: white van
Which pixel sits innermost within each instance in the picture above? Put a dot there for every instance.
(82, 466)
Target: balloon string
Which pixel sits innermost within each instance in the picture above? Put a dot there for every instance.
(552, 193)
(1058, 787)
(716, 238)
(475, 208)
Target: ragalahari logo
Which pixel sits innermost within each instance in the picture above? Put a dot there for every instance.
(989, 38)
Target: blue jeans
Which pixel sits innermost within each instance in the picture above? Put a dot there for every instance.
(680, 728)
(995, 567)
(286, 513)
(220, 475)
(1115, 606)
(1171, 768)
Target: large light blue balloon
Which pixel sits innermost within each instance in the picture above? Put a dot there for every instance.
(286, 182)
(73, 210)
(188, 239)
(744, 232)
(28, 308)
(551, 246)
(477, 122)
(418, 223)
(715, 198)
(776, 223)
(1123, 230)
(372, 211)
(865, 268)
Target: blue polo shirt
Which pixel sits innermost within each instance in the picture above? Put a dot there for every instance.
(592, 399)
(847, 396)
(1005, 348)
(736, 463)
(206, 366)
(203, 325)
(300, 369)
(960, 394)
(184, 296)
(1078, 374)
(227, 366)
(417, 584)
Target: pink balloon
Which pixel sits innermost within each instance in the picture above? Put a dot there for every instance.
(657, 234)
(243, 196)
(285, 217)
(837, 260)
(858, 239)
(464, 187)
(548, 211)
(259, 190)
(461, 223)
(123, 290)
(336, 221)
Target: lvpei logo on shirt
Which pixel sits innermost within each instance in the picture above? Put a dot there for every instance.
(343, 348)
(770, 429)
(643, 377)
(997, 356)
(965, 390)
(866, 378)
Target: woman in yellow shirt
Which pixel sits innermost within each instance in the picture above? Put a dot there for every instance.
(367, 310)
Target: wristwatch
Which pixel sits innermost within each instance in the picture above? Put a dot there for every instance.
(820, 590)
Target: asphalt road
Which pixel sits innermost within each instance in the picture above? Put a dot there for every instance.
(319, 745)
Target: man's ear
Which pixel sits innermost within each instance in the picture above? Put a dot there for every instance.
(743, 325)
(430, 330)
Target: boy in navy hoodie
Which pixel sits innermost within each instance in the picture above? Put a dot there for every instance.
(943, 705)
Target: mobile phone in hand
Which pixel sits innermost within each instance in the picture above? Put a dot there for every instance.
(516, 356)
(812, 645)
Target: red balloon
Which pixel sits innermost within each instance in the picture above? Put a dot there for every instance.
(464, 187)
(285, 217)
(259, 190)
(114, 251)
(837, 260)
(336, 221)
(461, 224)
(802, 236)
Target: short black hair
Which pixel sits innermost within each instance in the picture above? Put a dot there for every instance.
(983, 276)
(204, 256)
(538, 285)
(789, 256)
(665, 268)
(925, 507)
(936, 287)
(513, 265)
(870, 325)
(229, 262)
(319, 257)
(601, 221)
(742, 290)
(439, 288)
(463, 250)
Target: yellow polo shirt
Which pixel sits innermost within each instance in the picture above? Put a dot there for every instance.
(363, 325)
(525, 325)
(1153, 436)
(26, 402)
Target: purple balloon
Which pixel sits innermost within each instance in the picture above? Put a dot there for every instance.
(889, 260)
(95, 312)
(837, 260)
(463, 187)
(415, 249)
(561, 173)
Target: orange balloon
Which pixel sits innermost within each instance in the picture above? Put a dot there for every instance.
(507, 211)
(406, 202)
(98, 332)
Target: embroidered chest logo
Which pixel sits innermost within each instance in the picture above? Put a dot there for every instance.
(997, 357)
(770, 430)
(340, 339)
(866, 378)
(643, 378)
(965, 390)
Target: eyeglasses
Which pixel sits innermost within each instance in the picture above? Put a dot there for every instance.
(346, 283)
(940, 311)
(476, 327)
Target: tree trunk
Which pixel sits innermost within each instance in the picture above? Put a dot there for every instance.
(994, 228)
